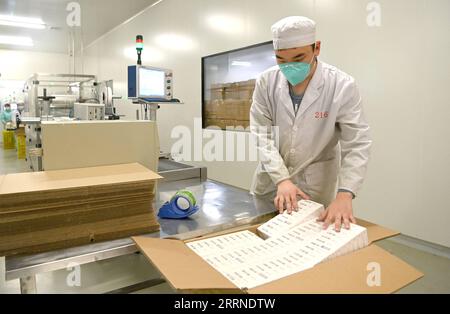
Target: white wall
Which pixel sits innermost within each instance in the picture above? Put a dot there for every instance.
(20, 65)
(402, 69)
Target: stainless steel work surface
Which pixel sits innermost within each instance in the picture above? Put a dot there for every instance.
(221, 207)
(170, 165)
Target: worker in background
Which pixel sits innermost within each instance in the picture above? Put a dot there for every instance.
(323, 144)
(6, 115)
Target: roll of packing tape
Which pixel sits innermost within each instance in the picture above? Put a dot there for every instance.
(187, 196)
(182, 205)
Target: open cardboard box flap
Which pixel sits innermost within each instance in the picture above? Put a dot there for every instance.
(182, 268)
(352, 273)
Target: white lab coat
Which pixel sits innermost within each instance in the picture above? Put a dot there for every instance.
(324, 147)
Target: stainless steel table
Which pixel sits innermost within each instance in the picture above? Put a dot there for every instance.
(221, 207)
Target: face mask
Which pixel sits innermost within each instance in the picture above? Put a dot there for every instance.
(296, 72)
(8, 109)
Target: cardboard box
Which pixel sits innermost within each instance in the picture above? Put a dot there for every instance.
(187, 272)
(230, 101)
(225, 124)
(246, 92)
(249, 83)
(231, 91)
(214, 123)
(238, 90)
(243, 110)
(222, 112)
(228, 109)
(220, 123)
(217, 92)
(235, 110)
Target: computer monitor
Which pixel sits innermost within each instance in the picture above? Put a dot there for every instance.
(150, 83)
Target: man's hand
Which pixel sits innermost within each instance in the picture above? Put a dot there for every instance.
(287, 196)
(340, 211)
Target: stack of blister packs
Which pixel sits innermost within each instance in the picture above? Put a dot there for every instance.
(291, 247)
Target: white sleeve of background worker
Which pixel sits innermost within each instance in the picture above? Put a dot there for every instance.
(355, 139)
(261, 125)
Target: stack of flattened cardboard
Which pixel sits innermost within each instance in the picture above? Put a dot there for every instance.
(50, 210)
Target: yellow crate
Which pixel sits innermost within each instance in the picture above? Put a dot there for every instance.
(21, 147)
(8, 140)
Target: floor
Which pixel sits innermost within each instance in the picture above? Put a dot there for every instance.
(113, 274)
(9, 162)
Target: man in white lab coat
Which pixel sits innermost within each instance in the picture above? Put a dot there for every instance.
(308, 119)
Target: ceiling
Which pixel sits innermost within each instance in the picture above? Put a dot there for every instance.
(97, 18)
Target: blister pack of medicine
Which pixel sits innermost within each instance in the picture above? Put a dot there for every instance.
(307, 210)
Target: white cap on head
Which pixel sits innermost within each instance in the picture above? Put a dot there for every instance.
(293, 32)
